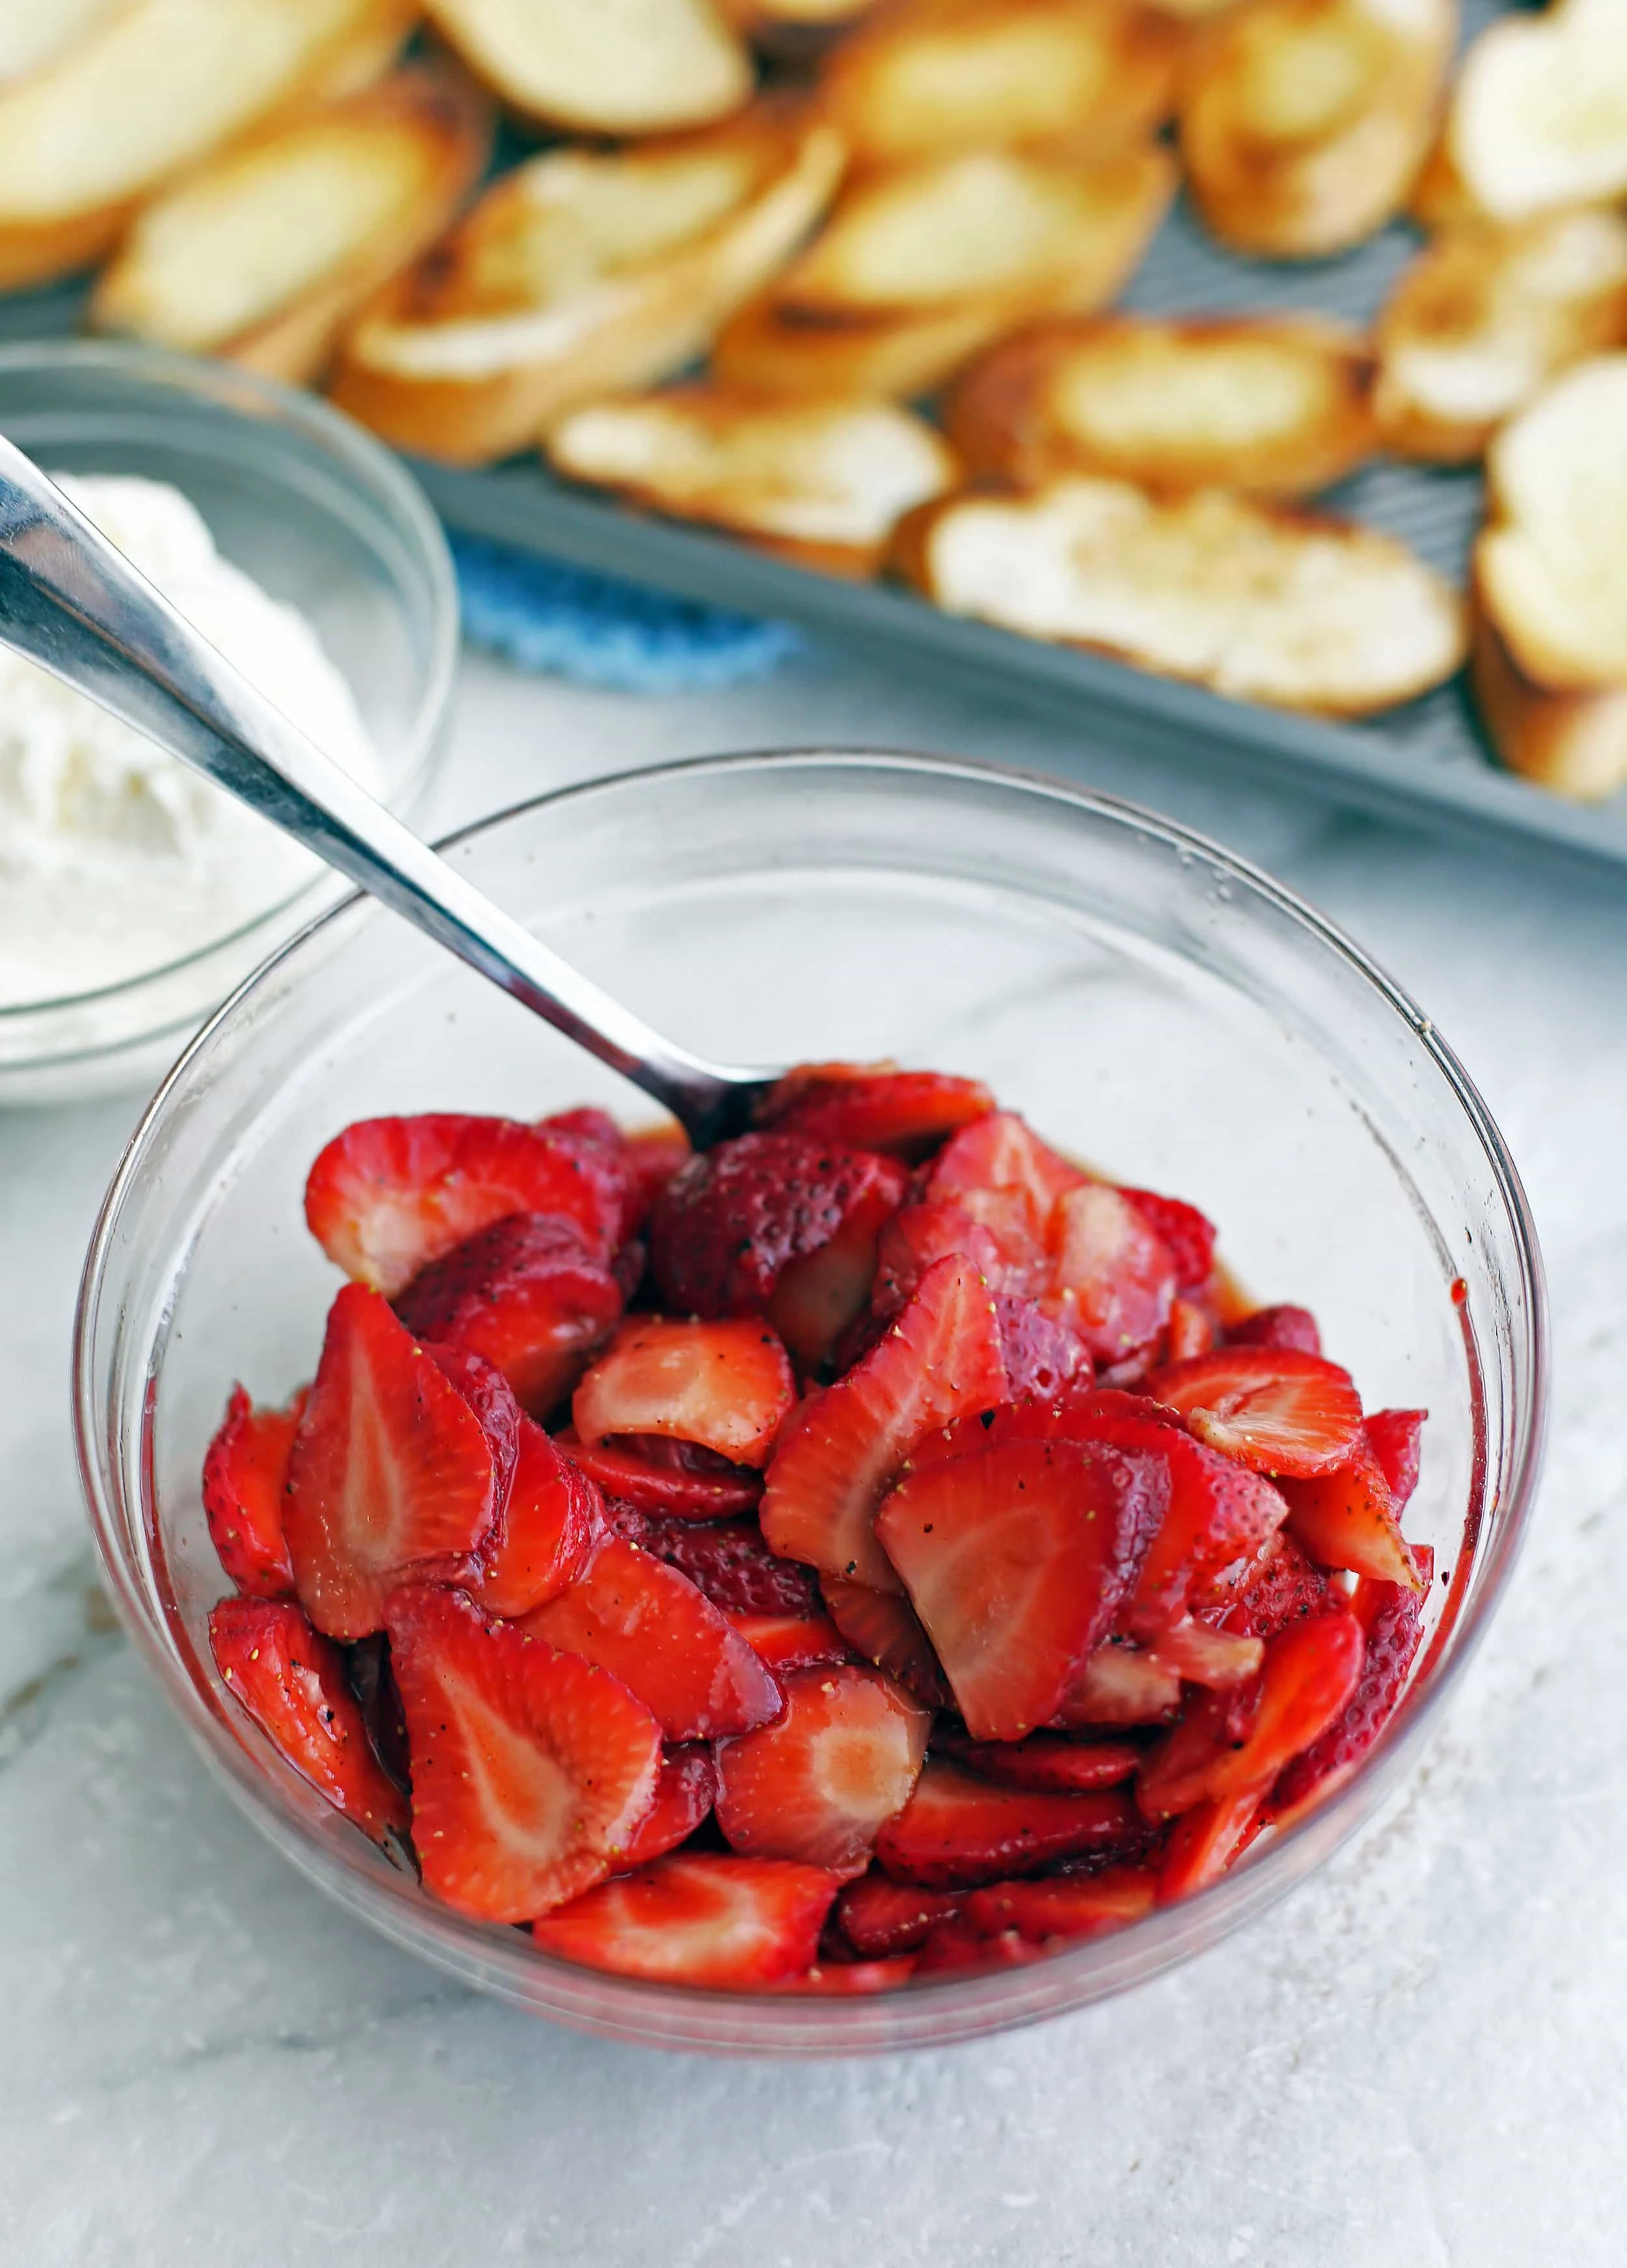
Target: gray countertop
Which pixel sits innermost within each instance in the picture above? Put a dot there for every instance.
(1418, 2058)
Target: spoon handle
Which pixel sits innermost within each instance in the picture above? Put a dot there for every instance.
(72, 602)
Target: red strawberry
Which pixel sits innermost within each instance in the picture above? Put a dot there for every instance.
(880, 1917)
(372, 1681)
(672, 1488)
(684, 1793)
(884, 1628)
(1205, 1840)
(1050, 1763)
(788, 1642)
(1282, 1587)
(491, 1398)
(726, 1387)
(648, 1625)
(1394, 1441)
(291, 1681)
(1277, 1326)
(390, 1194)
(531, 1770)
(1066, 1905)
(539, 1541)
(392, 1477)
(1119, 1685)
(698, 1917)
(1346, 1518)
(1185, 1233)
(939, 1360)
(1202, 1655)
(819, 1782)
(874, 1107)
(1114, 1279)
(1178, 1773)
(956, 1831)
(844, 1978)
(1015, 1560)
(532, 1293)
(1191, 1331)
(780, 1223)
(727, 1559)
(245, 1481)
(585, 1122)
(1273, 1409)
(1002, 1151)
(653, 1155)
(918, 1234)
(1311, 1671)
(1392, 1615)
(1042, 1355)
(958, 1943)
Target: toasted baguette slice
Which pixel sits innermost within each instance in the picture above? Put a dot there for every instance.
(150, 90)
(931, 77)
(1441, 197)
(34, 33)
(603, 66)
(782, 349)
(1539, 115)
(1277, 405)
(581, 274)
(820, 483)
(1574, 744)
(1255, 601)
(1486, 316)
(1305, 123)
(264, 254)
(1551, 565)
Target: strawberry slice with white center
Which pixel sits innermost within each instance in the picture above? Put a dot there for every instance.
(684, 1794)
(957, 1832)
(1347, 1518)
(885, 1629)
(648, 1625)
(389, 1196)
(1119, 1684)
(1002, 1151)
(531, 1769)
(1113, 1278)
(291, 1681)
(539, 1541)
(726, 1387)
(940, 1361)
(1067, 1905)
(874, 1106)
(1015, 1560)
(245, 1481)
(818, 1783)
(1273, 1408)
(698, 1917)
(1204, 1656)
(880, 1917)
(392, 1477)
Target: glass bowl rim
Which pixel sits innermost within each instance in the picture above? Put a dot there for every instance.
(366, 462)
(650, 2012)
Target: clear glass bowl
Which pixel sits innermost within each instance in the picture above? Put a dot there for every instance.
(319, 515)
(1155, 1006)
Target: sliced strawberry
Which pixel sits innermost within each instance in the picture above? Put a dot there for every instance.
(391, 1479)
(666, 1487)
(684, 1794)
(698, 1917)
(1114, 1279)
(820, 1782)
(1273, 1409)
(1066, 1905)
(956, 1831)
(1185, 1233)
(532, 1293)
(1392, 1615)
(727, 1559)
(1282, 1587)
(880, 1917)
(788, 1642)
(843, 1979)
(1179, 1771)
(1277, 1326)
(1394, 1439)
(1003, 1152)
(939, 1360)
(885, 1629)
(1119, 1685)
(958, 1943)
(291, 1681)
(872, 1105)
(585, 1122)
(372, 1681)
(653, 1155)
(539, 1541)
(491, 1398)
(1204, 1656)
(1050, 1763)
(1346, 1519)
(1191, 1331)
(390, 1194)
(1312, 1669)
(1042, 1355)
(648, 1625)
(726, 1387)
(918, 1234)
(1015, 1560)
(1205, 1840)
(245, 1481)
(782, 1223)
(531, 1769)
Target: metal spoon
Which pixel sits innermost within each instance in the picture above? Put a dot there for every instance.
(71, 602)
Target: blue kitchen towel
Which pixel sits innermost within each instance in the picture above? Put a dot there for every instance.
(545, 615)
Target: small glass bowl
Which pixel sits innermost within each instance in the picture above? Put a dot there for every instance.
(1154, 1006)
(322, 517)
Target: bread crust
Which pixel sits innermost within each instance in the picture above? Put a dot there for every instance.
(704, 74)
(1573, 744)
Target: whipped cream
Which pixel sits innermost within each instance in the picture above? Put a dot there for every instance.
(115, 858)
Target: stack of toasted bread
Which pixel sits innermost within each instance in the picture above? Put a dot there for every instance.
(839, 277)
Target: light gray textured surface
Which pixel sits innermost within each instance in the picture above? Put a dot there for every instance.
(1419, 2059)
